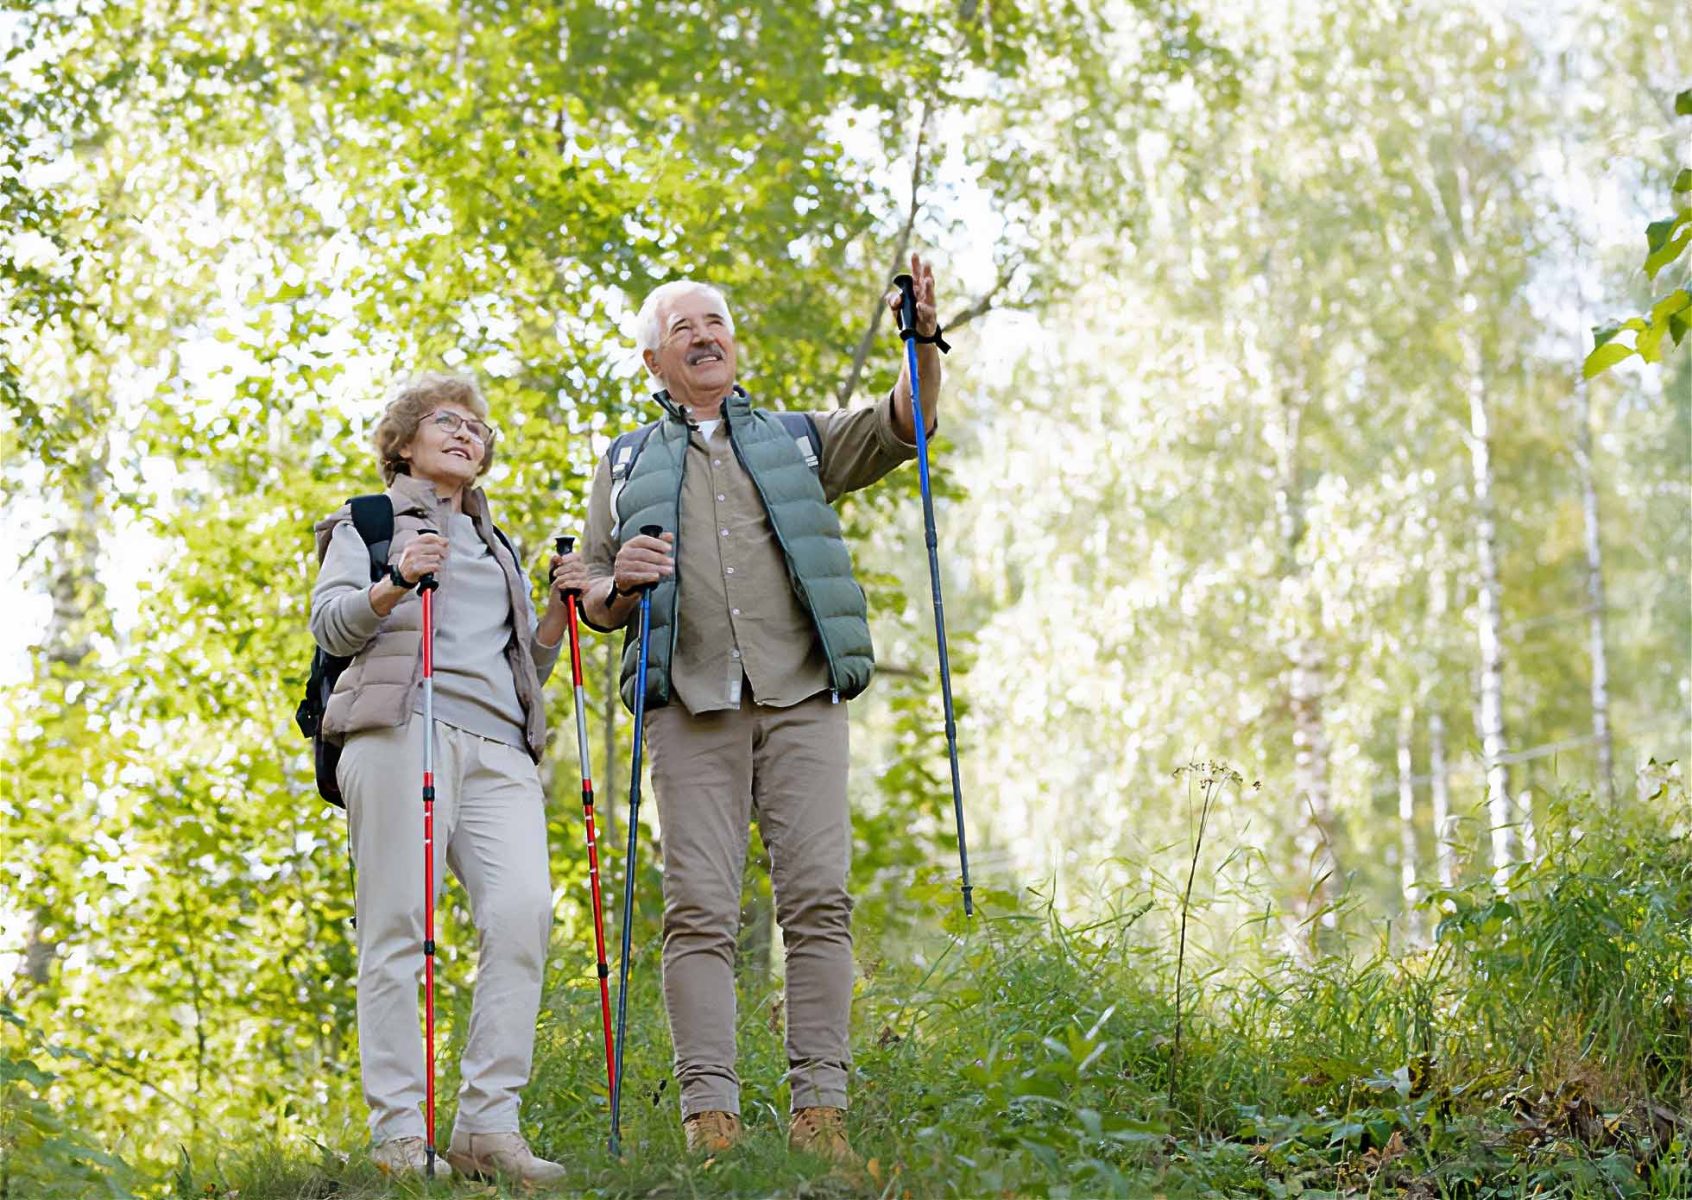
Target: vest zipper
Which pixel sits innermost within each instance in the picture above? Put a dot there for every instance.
(810, 605)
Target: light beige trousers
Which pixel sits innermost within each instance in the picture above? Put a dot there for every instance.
(712, 775)
(490, 829)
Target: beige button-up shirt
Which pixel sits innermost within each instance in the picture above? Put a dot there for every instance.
(739, 622)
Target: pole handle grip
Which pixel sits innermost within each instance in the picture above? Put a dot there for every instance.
(907, 301)
(564, 543)
(651, 531)
(428, 583)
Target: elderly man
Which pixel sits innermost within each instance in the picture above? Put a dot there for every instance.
(759, 633)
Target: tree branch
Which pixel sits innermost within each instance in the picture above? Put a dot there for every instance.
(984, 303)
(860, 356)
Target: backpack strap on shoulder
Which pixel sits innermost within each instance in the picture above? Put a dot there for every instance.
(373, 518)
(506, 542)
(802, 428)
(623, 454)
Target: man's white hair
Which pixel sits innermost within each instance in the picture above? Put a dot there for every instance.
(647, 333)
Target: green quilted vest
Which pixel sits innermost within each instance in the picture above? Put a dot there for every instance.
(805, 526)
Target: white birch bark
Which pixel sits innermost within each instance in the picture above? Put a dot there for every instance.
(1445, 849)
(1489, 618)
(1407, 870)
(1596, 640)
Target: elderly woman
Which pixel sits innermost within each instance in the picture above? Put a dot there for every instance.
(491, 657)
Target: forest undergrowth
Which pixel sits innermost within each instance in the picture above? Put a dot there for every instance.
(1538, 1044)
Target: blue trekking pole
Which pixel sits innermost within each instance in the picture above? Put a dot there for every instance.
(629, 857)
(907, 331)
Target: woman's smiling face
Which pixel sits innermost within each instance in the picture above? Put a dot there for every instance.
(446, 449)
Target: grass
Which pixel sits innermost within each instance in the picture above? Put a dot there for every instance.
(1538, 1048)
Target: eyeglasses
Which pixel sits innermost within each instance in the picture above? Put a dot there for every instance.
(450, 423)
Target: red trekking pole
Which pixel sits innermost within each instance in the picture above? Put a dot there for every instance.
(565, 545)
(426, 593)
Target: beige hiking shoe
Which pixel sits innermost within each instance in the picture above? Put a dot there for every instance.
(485, 1156)
(407, 1158)
(822, 1132)
(711, 1131)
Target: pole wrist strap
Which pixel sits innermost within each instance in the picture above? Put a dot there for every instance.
(933, 339)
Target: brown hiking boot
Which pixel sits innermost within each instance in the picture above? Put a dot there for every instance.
(822, 1132)
(711, 1131)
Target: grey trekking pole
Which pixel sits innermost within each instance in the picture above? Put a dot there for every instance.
(907, 331)
(629, 856)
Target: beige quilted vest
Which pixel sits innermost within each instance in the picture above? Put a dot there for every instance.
(379, 688)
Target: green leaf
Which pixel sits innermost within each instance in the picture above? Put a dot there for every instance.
(1683, 104)
(1657, 232)
(1607, 333)
(1672, 303)
(1669, 252)
(1649, 343)
(1678, 325)
(1683, 180)
(22, 1068)
(1603, 358)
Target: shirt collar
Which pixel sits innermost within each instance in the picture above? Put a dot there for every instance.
(411, 492)
(736, 403)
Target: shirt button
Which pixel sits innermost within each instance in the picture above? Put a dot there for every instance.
(720, 496)
(728, 570)
(734, 654)
(716, 462)
(725, 533)
(734, 612)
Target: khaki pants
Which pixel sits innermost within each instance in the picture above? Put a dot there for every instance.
(490, 829)
(712, 774)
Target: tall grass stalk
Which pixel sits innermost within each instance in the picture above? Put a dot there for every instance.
(1213, 776)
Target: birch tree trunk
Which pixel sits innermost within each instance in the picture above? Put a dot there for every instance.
(1596, 639)
(1445, 850)
(1458, 211)
(1489, 623)
(1407, 871)
(1306, 684)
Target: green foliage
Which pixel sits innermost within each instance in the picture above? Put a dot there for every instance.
(41, 1154)
(227, 226)
(1594, 942)
(1026, 1056)
(252, 217)
(1666, 241)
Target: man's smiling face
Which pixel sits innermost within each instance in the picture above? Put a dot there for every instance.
(695, 358)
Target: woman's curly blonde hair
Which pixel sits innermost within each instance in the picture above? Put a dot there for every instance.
(414, 399)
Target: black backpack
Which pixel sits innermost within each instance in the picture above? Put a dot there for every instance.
(373, 517)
